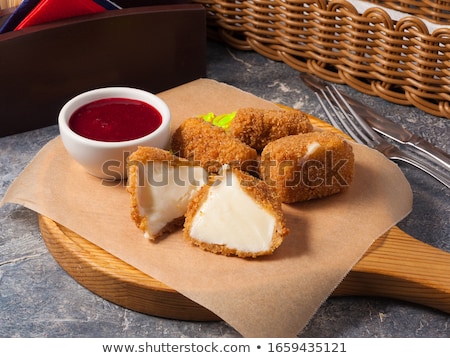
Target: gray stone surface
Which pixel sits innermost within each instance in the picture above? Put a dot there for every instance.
(38, 299)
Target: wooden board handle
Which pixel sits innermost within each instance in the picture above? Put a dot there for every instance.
(402, 267)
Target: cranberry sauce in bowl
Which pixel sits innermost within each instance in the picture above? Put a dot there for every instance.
(115, 119)
(100, 128)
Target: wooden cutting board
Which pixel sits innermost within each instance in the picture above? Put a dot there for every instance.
(395, 266)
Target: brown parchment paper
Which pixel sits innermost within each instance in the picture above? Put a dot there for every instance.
(268, 297)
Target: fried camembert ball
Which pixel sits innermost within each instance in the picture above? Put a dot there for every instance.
(258, 127)
(210, 146)
(236, 214)
(307, 166)
(161, 186)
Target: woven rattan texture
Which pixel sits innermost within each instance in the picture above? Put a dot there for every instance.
(437, 11)
(401, 62)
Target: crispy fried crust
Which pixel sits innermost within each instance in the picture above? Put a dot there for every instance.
(327, 170)
(261, 194)
(211, 146)
(136, 159)
(296, 165)
(258, 127)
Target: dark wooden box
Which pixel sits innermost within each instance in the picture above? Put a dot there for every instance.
(149, 47)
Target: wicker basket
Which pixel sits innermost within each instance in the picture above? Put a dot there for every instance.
(400, 61)
(437, 11)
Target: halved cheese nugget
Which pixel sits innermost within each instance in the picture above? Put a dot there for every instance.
(161, 186)
(236, 214)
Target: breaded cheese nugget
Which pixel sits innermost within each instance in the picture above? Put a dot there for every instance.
(307, 166)
(211, 146)
(236, 215)
(258, 127)
(161, 186)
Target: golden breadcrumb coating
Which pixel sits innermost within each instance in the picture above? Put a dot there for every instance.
(261, 194)
(211, 146)
(145, 154)
(307, 166)
(258, 127)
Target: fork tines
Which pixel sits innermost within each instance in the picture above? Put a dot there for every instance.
(343, 116)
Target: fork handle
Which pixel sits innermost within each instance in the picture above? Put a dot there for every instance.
(435, 173)
(434, 153)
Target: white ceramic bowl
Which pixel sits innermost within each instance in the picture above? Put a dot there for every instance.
(107, 160)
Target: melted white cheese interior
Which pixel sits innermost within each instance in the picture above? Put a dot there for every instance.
(229, 216)
(166, 191)
(312, 147)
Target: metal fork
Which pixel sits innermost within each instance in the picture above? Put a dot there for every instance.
(343, 116)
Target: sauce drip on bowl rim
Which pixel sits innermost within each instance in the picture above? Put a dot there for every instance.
(115, 120)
